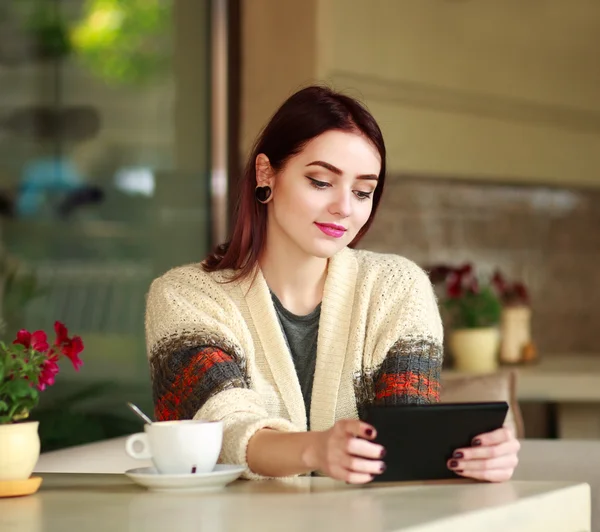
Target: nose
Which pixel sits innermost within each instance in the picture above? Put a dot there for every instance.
(342, 204)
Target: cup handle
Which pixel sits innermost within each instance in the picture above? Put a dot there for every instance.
(142, 438)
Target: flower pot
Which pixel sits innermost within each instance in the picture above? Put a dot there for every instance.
(475, 350)
(515, 329)
(19, 450)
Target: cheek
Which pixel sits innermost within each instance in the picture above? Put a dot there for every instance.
(363, 211)
(293, 208)
(302, 205)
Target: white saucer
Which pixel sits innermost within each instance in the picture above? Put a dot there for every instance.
(215, 480)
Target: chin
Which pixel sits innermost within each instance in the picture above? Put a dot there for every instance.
(325, 250)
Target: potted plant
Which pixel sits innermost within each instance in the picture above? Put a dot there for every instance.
(27, 367)
(472, 310)
(516, 345)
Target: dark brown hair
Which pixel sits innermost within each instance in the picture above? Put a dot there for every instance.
(305, 115)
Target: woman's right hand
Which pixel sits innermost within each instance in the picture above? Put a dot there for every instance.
(344, 452)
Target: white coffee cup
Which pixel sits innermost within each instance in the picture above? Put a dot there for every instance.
(179, 447)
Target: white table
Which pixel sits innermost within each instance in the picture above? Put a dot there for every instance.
(99, 502)
(538, 498)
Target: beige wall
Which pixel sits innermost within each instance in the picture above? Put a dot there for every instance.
(279, 56)
(476, 89)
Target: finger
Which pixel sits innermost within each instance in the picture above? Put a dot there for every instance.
(489, 475)
(364, 449)
(494, 437)
(361, 465)
(355, 427)
(357, 478)
(351, 477)
(488, 451)
(504, 462)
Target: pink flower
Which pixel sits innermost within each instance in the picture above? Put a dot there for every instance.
(72, 350)
(521, 292)
(62, 334)
(473, 286)
(438, 274)
(23, 338)
(499, 283)
(454, 287)
(70, 347)
(37, 341)
(465, 269)
(49, 370)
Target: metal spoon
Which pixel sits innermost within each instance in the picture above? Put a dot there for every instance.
(140, 413)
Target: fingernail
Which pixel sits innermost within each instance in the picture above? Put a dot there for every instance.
(383, 453)
(453, 463)
(382, 468)
(369, 432)
(458, 454)
(476, 442)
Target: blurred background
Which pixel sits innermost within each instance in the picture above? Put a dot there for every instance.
(124, 125)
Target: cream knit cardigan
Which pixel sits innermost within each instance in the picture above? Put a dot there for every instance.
(374, 306)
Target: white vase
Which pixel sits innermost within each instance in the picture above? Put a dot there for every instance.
(19, 450)
(475, 350)
(516, 333)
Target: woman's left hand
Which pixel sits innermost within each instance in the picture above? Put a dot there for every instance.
(492, 457)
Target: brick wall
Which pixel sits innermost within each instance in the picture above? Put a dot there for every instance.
(547, 237)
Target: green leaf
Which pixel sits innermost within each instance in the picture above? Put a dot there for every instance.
(22, 414)
(18, 349)
(19, 407)
(3, 406)
(19, 389)
(475, 310)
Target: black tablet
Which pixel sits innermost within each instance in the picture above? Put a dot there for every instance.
(420, 439)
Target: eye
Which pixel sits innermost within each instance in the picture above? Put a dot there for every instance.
(319, 185)
(362, 196)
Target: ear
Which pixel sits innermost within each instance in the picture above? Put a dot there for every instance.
(264, 171)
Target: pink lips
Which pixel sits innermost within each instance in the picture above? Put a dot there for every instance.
(333, 230)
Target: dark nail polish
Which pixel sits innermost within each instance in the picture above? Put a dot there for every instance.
(476, 442)
(383, 453)
(369, 432)
(453, 463)
(458, 454)
(382, 468)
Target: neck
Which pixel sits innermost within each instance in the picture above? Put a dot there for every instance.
(297, 279)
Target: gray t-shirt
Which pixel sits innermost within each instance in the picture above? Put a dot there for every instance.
(301, 334)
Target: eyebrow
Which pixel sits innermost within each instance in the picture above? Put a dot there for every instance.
(337, 171)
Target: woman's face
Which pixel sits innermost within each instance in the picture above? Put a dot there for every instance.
(323, 196)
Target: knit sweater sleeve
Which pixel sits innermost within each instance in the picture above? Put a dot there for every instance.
(407, 359)
(198, 347)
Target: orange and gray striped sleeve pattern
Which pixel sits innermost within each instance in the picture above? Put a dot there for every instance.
(410, 374)
(408, 371)
(186, 377)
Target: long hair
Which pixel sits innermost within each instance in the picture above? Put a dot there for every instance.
(305, 115)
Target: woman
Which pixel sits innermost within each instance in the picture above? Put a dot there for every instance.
(286, 328)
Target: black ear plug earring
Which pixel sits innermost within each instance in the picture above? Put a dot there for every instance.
(263, 194)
